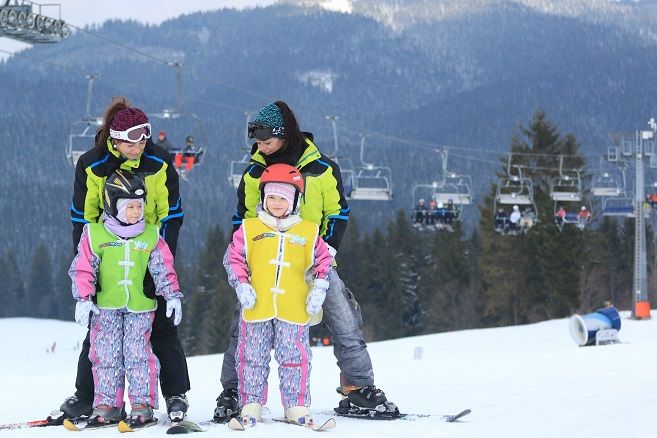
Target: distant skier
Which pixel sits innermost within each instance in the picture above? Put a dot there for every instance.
(113, 257)
(283, 250)
(278, 139)
(163, 141)
(124, 142)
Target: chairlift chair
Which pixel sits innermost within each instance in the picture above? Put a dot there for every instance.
(237, 169)
(440, 219)
(515, 190)
(567, 187)
(370, 182)
(607, 185)
(82, 133)
(81, 138)
(518, 190)
(618, 206)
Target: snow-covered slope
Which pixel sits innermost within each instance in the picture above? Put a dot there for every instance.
(519, 381)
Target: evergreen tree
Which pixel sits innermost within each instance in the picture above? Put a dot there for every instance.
(63, 304)
(13, 286)
(206, 308)
(374, 299)
(446, 284)
(540, 275)
(38, 296)
(9, 305)
(405, 247)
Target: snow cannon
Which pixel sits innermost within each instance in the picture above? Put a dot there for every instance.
(599, 328)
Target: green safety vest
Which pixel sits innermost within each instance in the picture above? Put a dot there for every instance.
(123, 266)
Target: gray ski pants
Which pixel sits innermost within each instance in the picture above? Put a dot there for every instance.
(343, 319)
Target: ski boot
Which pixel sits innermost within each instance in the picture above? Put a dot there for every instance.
(367, 401)
(73, 409)
(105, 416)
(140, 416)
(299, 415)
(227, 406)
(177, 406)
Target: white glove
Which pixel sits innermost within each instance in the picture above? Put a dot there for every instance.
(246, 294)
(82, 309)
(316, 296)
(174, 305)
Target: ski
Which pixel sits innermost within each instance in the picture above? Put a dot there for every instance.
(242, 423)
(236, 424)
(453, 418)
(82, 425)
(128, 426)
(374, 415)
(327, 425)
(26, 424)
(52, 420)
(184, 426)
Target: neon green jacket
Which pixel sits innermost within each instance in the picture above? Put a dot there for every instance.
(323, 203)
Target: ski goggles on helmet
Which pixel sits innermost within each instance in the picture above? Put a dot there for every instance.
(134, 134)
(260, 131)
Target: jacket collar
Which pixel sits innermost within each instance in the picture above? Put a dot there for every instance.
(125, 163)
(309, 154)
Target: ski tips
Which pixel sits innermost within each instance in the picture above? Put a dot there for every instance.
(69, 425)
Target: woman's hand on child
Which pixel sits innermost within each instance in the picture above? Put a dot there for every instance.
(246, 295)
(82, 309)
(316, 296)
(173, 305)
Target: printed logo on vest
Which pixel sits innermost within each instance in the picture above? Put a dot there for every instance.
(263, 236)
(297, 240)
(105, 244)
(140, 246)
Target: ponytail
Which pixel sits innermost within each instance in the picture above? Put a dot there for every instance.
(102, 134)
(294, 138)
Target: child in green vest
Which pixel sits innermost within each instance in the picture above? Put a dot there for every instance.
(270, 262)
(113, 258)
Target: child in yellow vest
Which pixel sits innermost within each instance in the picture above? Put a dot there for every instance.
(271, 261)
(116, 254)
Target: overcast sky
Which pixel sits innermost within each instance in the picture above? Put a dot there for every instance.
(83, 12)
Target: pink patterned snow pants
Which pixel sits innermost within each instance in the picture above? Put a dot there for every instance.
(120, 348)
(292, 352)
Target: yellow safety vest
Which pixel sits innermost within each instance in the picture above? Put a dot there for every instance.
(278, 263)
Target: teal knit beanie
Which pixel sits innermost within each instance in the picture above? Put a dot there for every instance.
(271, 116)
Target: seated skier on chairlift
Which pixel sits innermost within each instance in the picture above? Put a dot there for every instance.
(652, 200)
(163, 141)
(419, 213)
(583, 217)
(560, 216)
(501, 221)
(190, 155)
(432, 213)
(527, 220)
(514, 220)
